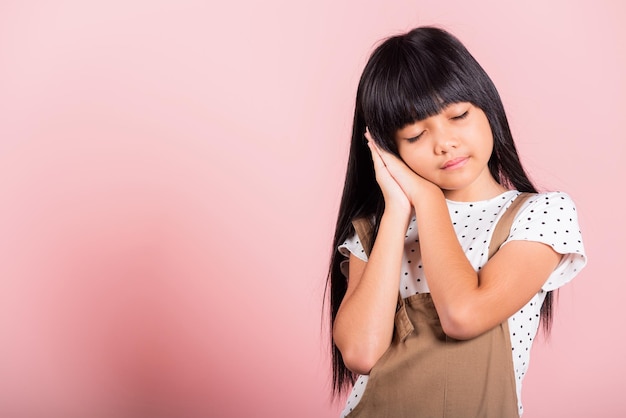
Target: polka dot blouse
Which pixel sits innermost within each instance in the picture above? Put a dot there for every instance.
(549, 218)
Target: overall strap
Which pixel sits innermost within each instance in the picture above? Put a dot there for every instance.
(364, 229)
(503, 228)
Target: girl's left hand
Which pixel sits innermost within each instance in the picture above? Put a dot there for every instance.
(411, 183)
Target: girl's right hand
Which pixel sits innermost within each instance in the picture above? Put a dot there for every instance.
(363, 328)
(395, 198)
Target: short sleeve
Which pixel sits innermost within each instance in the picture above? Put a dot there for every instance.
(351, 246)
(551, 218)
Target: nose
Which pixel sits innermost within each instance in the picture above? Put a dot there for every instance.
(445, 143)
(444, 136)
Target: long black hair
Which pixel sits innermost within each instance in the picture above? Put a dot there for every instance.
(410, 77)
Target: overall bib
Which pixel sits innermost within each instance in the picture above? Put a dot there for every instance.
(426, 374)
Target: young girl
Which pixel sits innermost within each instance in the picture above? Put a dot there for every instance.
(432, 168)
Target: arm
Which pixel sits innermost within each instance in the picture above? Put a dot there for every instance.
(364, 324)
(469, 303)
(363, 328)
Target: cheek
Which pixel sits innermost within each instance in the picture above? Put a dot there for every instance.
(487, 135)
(489, 145)
(415, 161)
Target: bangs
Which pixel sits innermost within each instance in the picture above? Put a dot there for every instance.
(406, 82)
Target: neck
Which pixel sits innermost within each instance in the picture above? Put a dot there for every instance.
(476, 192)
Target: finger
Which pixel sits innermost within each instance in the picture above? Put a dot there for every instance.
(381, 152)
(372, 147)
(368, 136)
(387, 157)
(383, 155)
(379, 164)
(376, 154)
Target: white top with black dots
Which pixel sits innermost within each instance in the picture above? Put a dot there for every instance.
(549, 218)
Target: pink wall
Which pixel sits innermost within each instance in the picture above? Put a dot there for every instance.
(170, 173)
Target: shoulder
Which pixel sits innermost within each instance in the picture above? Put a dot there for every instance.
(549, 198)
(545, 210)
(551, 218)
(353, 245)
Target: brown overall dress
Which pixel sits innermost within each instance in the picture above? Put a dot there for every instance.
(426, 374)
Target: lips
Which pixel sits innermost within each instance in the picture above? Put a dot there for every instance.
(454, 163)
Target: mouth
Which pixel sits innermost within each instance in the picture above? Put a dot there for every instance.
(454, 163)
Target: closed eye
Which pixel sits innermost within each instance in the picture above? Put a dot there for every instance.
(415, 138)
(461, 116)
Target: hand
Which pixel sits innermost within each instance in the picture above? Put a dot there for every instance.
(412, 184)
(395, 197)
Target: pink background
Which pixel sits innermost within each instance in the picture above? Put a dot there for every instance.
(170, 174)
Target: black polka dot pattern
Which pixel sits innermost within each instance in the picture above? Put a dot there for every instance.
(549, 218)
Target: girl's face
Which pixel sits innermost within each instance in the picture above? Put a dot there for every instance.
(451, 149)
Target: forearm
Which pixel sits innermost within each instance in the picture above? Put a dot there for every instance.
(364, 325)
(452, 280)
